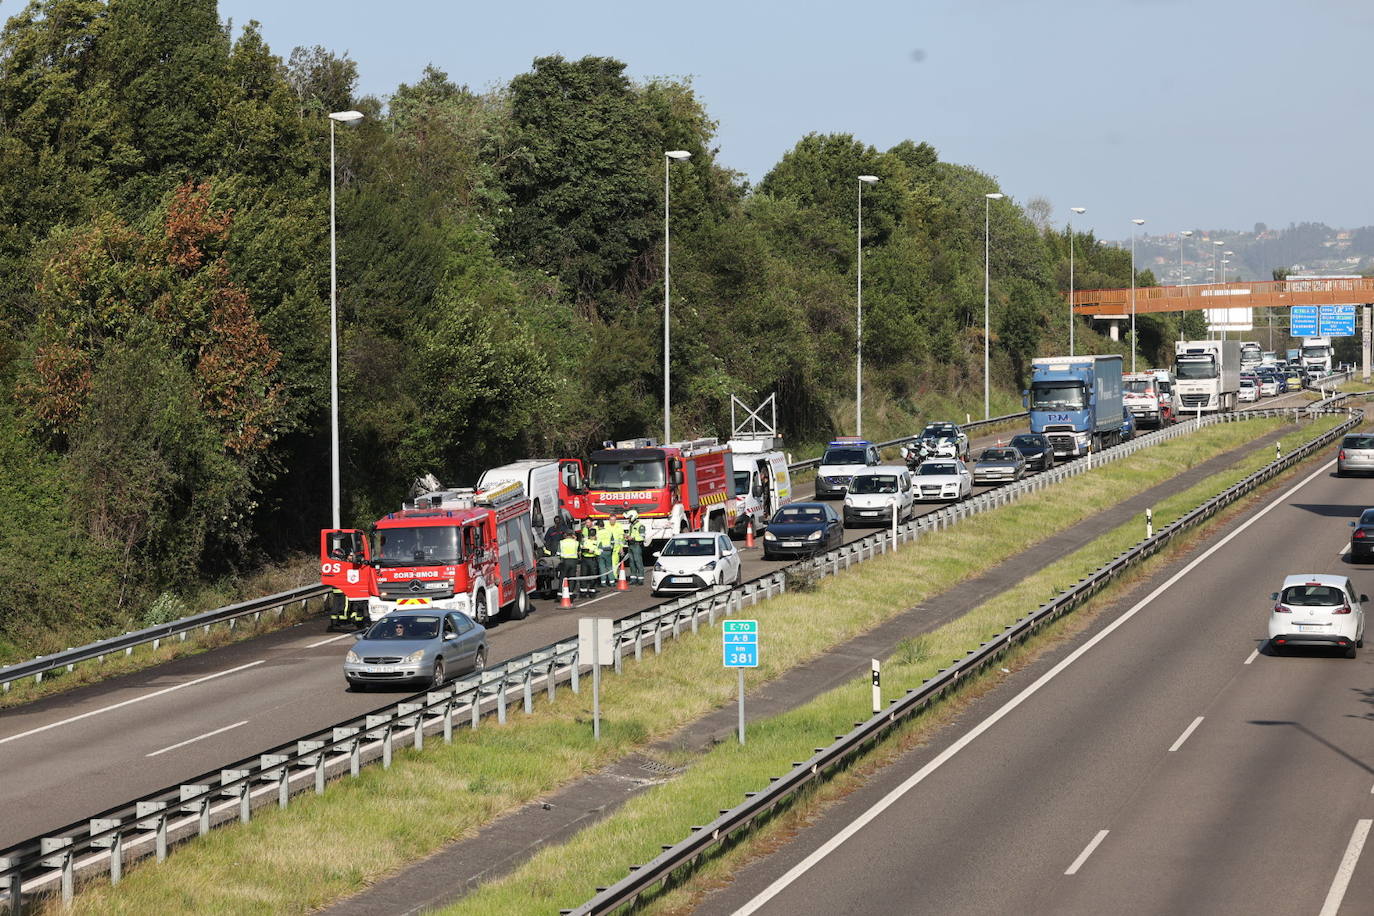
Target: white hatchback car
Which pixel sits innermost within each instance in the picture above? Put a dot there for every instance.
(875, 494)
(1317, 610)
(698, 560)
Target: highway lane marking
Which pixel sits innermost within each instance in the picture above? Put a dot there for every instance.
(218, 731)
(149, 696)
(1347, 868)
(325, 642)
(1186, 732)
(892, 797)
(1087, 851)
(1254, 654)
(1344, 550)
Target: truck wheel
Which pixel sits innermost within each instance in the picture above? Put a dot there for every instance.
(479, 606)
(520, 608)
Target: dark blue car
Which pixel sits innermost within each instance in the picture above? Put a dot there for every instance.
(801, 530)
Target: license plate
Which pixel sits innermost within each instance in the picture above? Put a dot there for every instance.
(1310, 628)
(383, 669)
(871, 512)
(791, 543)
(679, 578)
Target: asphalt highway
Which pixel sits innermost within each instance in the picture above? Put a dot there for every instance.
(93, 748)
(1163, 761)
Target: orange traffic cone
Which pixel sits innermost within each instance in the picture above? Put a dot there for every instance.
(749, 536)
(620, 584)
(565, 600)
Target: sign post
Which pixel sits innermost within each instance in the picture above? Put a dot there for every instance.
(596, 641)
(740, 650)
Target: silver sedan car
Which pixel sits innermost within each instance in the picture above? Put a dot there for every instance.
(1356, 455)
(422, 647)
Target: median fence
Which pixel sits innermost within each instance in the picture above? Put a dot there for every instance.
(104, 843)
(757, 807)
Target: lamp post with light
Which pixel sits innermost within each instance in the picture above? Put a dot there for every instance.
(987, 276)
(1080, 211)
(1138, 223)
(669, 157)
(340, 117)
(859, 316)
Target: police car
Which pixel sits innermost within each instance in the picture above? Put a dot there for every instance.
(844, 457)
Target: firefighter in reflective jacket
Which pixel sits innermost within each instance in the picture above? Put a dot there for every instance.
(605, 538)
(633, 534)
(567, 558)
(591, 559)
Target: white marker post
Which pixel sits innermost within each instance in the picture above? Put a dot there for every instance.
(877, 686)
(596, 640)
(1149, 523)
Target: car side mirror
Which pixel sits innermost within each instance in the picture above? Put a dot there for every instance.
(1273, 596)
(1352, 524)
(1363, 598)
(358, 634)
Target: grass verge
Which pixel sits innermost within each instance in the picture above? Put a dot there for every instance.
(565, 875)
(327, 846)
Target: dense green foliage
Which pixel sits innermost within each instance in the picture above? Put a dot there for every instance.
(164, 239)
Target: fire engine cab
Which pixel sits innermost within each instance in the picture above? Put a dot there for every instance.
(683, 486)
(466, 550)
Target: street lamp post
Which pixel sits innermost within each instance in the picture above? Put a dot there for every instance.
(341, 117)
(1225, 254)
(859, 322)
(1138, 222)
(1080, 211)
(987, 277)
(668, 158)
(1216, 258)
(1183, 234)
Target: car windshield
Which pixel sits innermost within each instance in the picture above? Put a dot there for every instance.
(1367, 517)
(418, 546)
(792, 515)
(1026, 442)
(1059, 397)
(404, 628)
(628, 474)
(874, 483)
(742, 483)
(1314, 351)
(939, 431)
(691, 547)
(1247, 383)
(1358, 442)
(1137, 386)
(843, 456)
(1195, 368)
(931, 469)
(999, 454)
(1312, 596)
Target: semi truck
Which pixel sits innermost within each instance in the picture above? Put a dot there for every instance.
(1317, 353)
(1208, 375)
(1251, 355)
(682, 486)
(1075, 401)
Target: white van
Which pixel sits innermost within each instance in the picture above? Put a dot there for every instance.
(541, 478)
(762, 482)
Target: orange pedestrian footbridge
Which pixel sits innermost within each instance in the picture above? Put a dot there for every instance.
(1116, 303)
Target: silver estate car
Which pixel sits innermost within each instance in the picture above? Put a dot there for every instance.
(421, 647)
(1356, 455)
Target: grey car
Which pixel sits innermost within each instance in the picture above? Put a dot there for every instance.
(998, 465)
(1356, 455)
(424, 647)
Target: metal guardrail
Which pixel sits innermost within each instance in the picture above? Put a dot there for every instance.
(145, 826)
(126, 642)
(735, 821)
(975, 424)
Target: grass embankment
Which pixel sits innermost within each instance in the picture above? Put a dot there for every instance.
(268, 581)
(328, 846)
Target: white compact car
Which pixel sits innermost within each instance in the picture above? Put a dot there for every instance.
(876, 493)
(943, 480)
(1317, 610)
(698, 560)
(1249, 390)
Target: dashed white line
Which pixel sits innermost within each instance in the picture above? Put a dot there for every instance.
(1347, 868)
(218, 731)
(1186, 732)
(1252, 656)
(325, 642)
(1344, 550)
(139, 699)
(1087, 851)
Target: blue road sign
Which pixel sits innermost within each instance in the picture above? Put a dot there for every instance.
(740, 643)
(1302, 321)
(1337, 321)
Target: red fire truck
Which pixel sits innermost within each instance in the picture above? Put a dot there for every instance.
(683, 486)
(466, 550)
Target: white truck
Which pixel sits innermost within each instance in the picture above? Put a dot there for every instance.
(1251, 355)
(761, 484)
(1317, 353)
(555, 486)
(1149, 397)
(1208, 375)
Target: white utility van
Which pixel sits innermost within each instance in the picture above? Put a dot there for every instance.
(541, 478)
(762, 482)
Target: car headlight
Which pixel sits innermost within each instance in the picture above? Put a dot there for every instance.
(658, 567)
(814, 536)
(769, 536)
(414, 658)
(709, 566)
(352, 658)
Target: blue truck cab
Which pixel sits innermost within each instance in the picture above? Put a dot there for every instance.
(1075, 401)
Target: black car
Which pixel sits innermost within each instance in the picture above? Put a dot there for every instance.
(1036, 449)
(801, 530)
(1362, 538)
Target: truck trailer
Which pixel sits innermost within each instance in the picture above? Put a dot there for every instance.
(1075, 401)
(1208, 374)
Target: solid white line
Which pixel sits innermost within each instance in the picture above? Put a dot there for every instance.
(212, 734)
(1186, 732)
(948, 753)
(1253, 655)
(1346, 869)
(1087, 851)
(594, 600)
(1344, 550)
(146, 696)
(325, 642)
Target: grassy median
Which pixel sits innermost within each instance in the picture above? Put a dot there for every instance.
(326, 847)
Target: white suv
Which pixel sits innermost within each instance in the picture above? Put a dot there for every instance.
(1317, 610)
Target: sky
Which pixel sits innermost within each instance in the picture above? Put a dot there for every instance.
(1186, 113)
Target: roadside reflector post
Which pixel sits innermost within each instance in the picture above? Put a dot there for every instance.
(1278, 451)
(877, 686)
(1149, 523)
